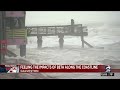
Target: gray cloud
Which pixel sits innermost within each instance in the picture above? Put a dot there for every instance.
(63, 17)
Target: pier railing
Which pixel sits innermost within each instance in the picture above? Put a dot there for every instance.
(74, 30)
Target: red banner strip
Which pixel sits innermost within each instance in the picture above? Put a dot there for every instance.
(3, 41)
(61, 68)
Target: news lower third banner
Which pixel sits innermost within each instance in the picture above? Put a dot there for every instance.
(59, 68)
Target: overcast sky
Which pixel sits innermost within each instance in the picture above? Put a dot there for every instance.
(64, 17)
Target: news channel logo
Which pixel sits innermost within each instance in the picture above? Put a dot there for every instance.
(4, 69)
(14, 69)
(107, 71)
